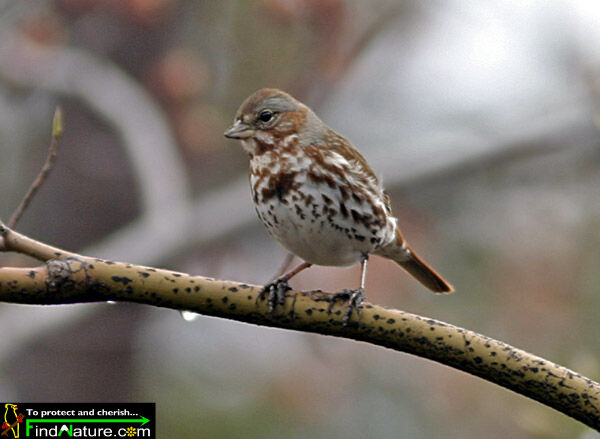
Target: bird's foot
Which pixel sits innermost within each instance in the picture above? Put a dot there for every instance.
(275, 293)
(355, 299)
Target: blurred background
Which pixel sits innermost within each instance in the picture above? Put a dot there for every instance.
(482, 118)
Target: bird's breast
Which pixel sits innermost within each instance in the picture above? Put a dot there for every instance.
(315, 213)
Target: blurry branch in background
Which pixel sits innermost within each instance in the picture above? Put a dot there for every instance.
(338, 49)
(134, 116)
(67, 278)
(116, 98)
(57, 129)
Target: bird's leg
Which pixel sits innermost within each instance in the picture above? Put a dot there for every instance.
(289, 258)
(355, 297)
(275, 290)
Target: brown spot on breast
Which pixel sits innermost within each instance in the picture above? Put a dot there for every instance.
(363, 218)
(262, 147)
(344, 193)
(267, 194)
(284, 183)
(262, 173)
(343, 209)
(279, 185)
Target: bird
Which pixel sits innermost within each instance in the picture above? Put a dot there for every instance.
(11, 420)
(318, 196)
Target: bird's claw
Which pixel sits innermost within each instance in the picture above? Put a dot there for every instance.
(355, 299)
(275, 293)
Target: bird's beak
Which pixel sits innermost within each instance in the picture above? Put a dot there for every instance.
(239, 130)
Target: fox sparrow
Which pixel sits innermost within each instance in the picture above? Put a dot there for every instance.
(318, 196)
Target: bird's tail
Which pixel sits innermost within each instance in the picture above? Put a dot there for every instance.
(404, 256)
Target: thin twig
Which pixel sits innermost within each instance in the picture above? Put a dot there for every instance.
(57, 130)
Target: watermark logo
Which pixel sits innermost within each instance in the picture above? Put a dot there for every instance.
(81, 420)
(12, 421)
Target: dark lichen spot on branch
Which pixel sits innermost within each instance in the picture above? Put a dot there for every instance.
(121, 279)
(58, 273)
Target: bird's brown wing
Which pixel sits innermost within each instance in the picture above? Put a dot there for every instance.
(343, 147)
(387, 202)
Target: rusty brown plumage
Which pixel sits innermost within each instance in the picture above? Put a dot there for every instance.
(317, 195)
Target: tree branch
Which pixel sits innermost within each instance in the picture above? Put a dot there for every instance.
(57, 130)
(67, 278)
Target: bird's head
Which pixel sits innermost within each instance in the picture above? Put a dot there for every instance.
(271, 118)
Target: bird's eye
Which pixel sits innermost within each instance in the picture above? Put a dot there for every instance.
(265, 115)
